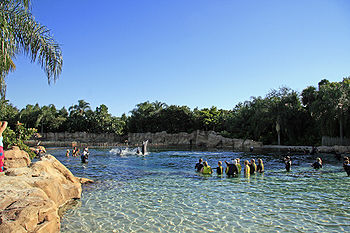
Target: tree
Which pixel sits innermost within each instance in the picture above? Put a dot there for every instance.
(21, 34)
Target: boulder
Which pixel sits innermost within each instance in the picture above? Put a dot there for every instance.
(16, 158)
(31, 196)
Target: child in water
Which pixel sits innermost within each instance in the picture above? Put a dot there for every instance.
(3, 125)
(67, 153)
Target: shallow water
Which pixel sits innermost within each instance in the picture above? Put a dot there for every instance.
(162, 193)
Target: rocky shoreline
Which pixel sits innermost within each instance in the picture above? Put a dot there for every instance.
(32, 193)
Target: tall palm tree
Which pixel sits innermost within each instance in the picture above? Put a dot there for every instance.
(21, 34)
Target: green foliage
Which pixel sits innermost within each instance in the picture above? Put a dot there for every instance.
(17, 138)
(303, 118)
(22, 34)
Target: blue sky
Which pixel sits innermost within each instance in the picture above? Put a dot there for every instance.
(199, 53)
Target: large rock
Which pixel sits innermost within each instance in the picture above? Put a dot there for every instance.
(30, 196)
(15, 158)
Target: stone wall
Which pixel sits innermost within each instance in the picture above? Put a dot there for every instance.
(81, 137)
(208, 139)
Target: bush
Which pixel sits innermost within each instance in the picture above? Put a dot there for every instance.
(17, 138)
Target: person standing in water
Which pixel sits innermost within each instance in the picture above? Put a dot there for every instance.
(219, 169)
(246, 168)
(239, 165)
(67, 153)
(85, 155)
(199, 165)
(231, 169)
(260, 167)
(288, 163)
(3, 125)
(346, 165)
(252, 166)
(318, 164)
(206, 169)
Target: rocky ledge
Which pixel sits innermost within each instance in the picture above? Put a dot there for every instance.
(32, 193)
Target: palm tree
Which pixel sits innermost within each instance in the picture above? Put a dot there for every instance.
(21, 34)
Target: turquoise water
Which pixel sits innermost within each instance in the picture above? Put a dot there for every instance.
(162, 193)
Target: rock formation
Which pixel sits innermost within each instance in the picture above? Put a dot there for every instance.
(31, 194)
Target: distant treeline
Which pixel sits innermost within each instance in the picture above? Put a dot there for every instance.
(284, 114)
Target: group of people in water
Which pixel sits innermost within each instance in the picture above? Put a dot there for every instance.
(250, 167)
(76, 152)
(232, 169)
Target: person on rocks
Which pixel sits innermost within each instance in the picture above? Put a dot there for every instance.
(3, 125)
(199, 165)
(318, 164)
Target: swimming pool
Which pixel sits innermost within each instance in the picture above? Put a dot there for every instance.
(161, 193)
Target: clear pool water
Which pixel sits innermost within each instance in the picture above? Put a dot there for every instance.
(162, 193)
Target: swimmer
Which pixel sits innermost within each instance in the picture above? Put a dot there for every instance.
(246, 168)
(67, 153)
(288, 163)
(252, 166)
(260, 167)
(231, 169)
(219, 169)
(199, 165)
(206, 169)
(317, 164)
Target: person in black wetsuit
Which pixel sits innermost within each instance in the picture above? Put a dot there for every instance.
(252, 166)
(85, 155)
(260, 166)
(232, 169)
(199, 165)
(219, 169)
(317, 164)
(346, 165)
(288, 163)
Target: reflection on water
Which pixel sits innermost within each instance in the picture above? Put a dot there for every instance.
(162, 193)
